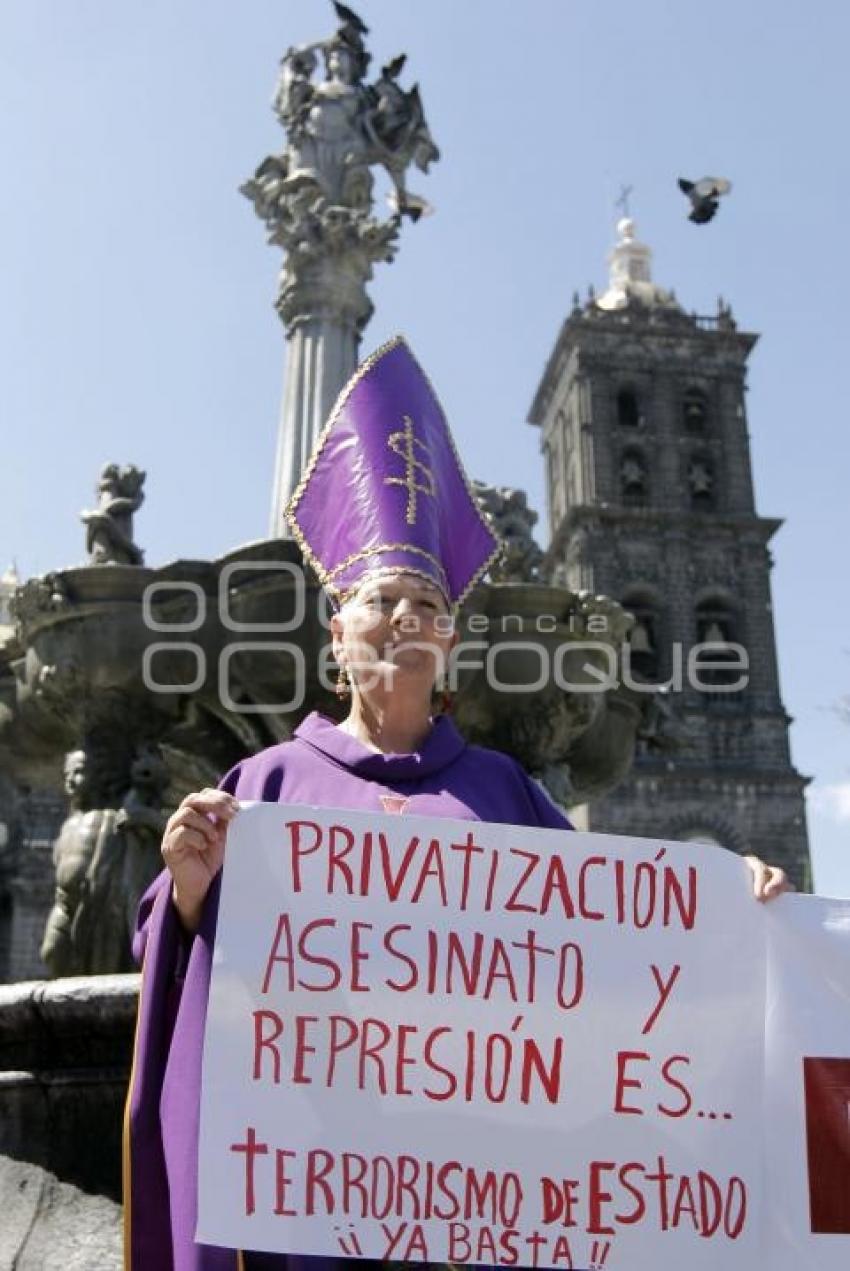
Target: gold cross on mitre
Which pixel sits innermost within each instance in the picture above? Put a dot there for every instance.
(403, 443)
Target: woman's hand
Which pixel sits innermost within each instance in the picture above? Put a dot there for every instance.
(769, 881)
(193, 849)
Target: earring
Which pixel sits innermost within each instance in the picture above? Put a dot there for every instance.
(343, 684)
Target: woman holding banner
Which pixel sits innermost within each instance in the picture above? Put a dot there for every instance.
(385, 517)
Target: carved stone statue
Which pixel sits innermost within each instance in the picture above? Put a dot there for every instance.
(327, 143)
(85, 932)
(337, 129)
(395, 123)
(105, 858)
(316, 198)
(109, 528)
(35, 597)
(141, 822)
(512, 519)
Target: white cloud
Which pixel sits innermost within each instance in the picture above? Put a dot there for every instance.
(832, 801)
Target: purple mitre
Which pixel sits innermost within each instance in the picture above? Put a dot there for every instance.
(384, 491)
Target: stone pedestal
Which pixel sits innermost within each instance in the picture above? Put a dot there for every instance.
(321, 357)
(65, 1053)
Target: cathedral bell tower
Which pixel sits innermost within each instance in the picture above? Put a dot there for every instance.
(643, 422)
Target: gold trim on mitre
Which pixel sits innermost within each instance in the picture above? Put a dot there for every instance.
(325, 576)
(379, 550)
(388, 571)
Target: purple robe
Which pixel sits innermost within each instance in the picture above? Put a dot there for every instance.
(324, 767)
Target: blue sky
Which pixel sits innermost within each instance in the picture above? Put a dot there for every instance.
(136, 318)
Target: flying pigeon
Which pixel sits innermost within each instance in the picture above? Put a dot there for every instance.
(350, 18)
(394, 68)
(704, 196)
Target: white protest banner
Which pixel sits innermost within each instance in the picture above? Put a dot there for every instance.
(443, 1040)
(807, 1103)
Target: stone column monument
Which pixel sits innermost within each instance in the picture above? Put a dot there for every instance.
(317, 200)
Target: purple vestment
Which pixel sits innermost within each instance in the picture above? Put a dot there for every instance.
(322, 766)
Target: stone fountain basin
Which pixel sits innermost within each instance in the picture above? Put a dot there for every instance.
(244, 641)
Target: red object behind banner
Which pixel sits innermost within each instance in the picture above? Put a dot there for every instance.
(827, 1087)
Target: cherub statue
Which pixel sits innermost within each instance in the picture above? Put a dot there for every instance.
(141, 822)
(109, 528)
(512, 520)
(85, 932)
(294, 90)
(105, 858)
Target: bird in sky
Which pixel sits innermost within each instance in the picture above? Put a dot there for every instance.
(704, 196)
(394, 68)
(350, 18)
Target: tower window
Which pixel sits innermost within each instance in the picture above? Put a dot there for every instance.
(628, 409)
(644, 646)
(702, 487)
(556, 476)
(634, 480)
(716, 625)
(695, 410)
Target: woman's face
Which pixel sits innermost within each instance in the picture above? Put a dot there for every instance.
(340, 65)
(394, 633)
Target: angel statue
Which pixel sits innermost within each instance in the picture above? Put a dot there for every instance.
(316, 196)
(396, 126)
(327, 143)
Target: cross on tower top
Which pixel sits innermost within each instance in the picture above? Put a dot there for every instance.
(623, 201)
